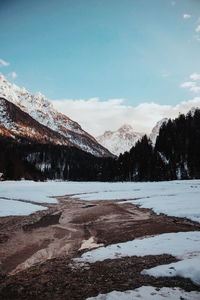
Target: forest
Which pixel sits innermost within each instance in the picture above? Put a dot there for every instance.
(175, 155)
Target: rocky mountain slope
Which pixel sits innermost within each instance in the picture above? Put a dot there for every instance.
(40, 109)
(120, 140)
(17, 124)
(155, 131)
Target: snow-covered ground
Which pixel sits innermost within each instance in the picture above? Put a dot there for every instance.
(29, 190)
(149, 293)
(12, 208)
(187, 268)
(185, 246)
(174, 198)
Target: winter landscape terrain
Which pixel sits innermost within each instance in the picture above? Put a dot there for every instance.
(100, 150)
(124, 229)
(66, 131)
(38, 142)
(146, 236)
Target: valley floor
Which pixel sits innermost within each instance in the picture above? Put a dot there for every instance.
(147, 235)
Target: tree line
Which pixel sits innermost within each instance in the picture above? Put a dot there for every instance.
(175, 155)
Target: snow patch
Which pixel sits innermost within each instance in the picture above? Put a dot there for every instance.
(17, 208)
(182, 245)
(149, 293)
(188, 268)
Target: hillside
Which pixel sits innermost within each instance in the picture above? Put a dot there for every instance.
(40, 109)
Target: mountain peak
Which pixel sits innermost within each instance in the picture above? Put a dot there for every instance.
(126, 127)
(156, 129)
(120, 140)
(42, 110)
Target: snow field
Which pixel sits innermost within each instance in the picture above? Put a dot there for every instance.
(173, 198)
(12, 208)
(183, 245)
(149, 293)
(187, 268)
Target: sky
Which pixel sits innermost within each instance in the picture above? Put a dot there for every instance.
(105, 62)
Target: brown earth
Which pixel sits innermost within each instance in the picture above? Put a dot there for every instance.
(36, 250)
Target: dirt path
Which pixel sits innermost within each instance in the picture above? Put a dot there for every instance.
(43, 244)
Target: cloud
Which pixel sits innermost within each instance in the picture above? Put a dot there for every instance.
(195, 89)
(195, 76)
(4, 63)
(13, 75)
(193, 86)
(187, 16)
(173, 3)
(197, 28)
(96, 116)
(188, 84)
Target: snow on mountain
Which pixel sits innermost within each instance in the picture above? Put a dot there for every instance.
(156, 129)
(120, 140)
(40, 109)
(16, 123)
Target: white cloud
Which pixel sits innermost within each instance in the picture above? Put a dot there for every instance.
(187, 16)
(188, 84)
(97, 116)
(193, 86)
(197, 28)
(195, 76)
(13, 75)
(195, 89)
(4, 63)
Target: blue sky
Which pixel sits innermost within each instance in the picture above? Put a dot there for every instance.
(138, 50)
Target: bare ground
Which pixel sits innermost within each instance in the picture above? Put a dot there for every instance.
(36, 250)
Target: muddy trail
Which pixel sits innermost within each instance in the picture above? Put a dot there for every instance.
(36, 251)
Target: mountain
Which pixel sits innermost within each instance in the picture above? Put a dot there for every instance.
(155, 131)
(121, 140)
(17, 124)
(25, 153)
(41, 110)
(174, 155)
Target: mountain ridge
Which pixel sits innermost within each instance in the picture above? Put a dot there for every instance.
(40, 109)
(121, 140)
(16, 123)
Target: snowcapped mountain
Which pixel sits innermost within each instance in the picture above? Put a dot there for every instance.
(41, 110)
(120, 140)
(155, 131)
(17, 124)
